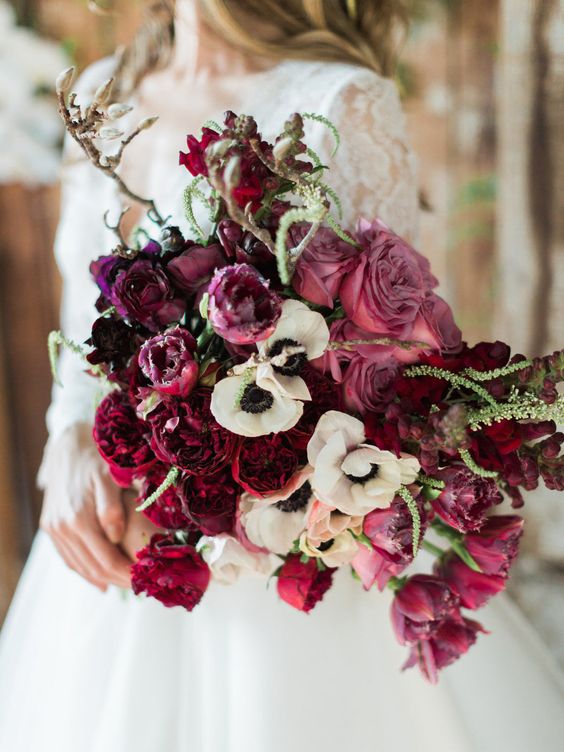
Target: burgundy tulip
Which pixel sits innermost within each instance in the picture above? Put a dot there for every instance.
(496, 546)
(419, 607)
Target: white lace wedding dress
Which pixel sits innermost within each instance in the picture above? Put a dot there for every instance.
(86, 672)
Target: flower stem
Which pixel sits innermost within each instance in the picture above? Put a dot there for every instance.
(432, 549)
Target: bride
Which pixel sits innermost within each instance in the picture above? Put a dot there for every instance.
(86, 668)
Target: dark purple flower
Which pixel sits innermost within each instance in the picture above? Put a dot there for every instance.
(242, 309)
(105, 270)
(113, 342)
(193, 269)
(466, 498)
(167, 361)
(143, 293)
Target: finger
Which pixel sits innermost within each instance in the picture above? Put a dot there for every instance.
(114, 563)
(109, 507)
(73, 536)
(73, 563)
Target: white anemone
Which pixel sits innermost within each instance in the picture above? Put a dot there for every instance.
(351, 475)
(249, 410)
(301, 325)
(227, 558)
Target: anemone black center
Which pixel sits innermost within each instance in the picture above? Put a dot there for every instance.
(326, 545)
(294, 363)
(256, 400)
(298, 500)
(372, 473)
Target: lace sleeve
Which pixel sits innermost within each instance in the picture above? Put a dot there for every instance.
(374, 170)
(80, 237)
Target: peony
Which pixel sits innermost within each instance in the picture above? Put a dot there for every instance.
(193, 269)
(185, 434)
(327, 396)
(143, 293)
(265, 464)
(496, 546)
(303, 585)
(274, 522)
(322, 266)
(113, 342)
(451, 639)
(166, 511)
(242, 309)
(228, 559)
(466, 498)
(421, 605)
(122, 439)
(247, 409)
(173, 573)
(351, 475)
(210, 501)
(473, 588)
(167, 361)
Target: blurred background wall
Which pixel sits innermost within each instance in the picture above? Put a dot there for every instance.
(483, 86)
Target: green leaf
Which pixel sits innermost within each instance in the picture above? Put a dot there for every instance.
(462, 552)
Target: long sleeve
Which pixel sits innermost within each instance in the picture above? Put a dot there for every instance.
(81, 237)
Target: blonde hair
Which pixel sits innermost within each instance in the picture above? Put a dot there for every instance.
(362, 32)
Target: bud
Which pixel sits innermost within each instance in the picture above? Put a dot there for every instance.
(218, 149)
(118, 110)
(64, 80)
(147, 123)
(109, 134)
(103, 93)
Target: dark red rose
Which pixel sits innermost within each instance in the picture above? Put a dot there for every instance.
(122, 439)
(143, 293)
(193, 269)
(326, 396)
(167, 362)
(466, 498)
(420, 606)
(186, 435)
(113, 342)
(496, 546)
(171, 572)
(210, 501)
(166, 511)
(242, 308)
(303, 585)
(450, 640)
(265, 464)
(324, 263)
(473, 588)
(194, 158)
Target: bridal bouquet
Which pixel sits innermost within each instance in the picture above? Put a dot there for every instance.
(294, 398)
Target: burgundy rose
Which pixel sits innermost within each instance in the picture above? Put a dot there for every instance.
(193, 269)
(450, 640)
(466, 498)
(186, 435)
(166, 511)
(167, 361)
(436, 326)
(194, 158)
(113, 342)
(122, 439)
(143, 293)
(265, 464)
(171, 572)
(495, 547)
(369, 385)
(303, 585)
(420, 606)
(326, 396)
(242, 308)
(473, 588)
(322, 266)
(210, 501)
(386, 290)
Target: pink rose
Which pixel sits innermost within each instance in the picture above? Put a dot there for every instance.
(435, 325)
(385, 292)
(193, 269)
(322, 266)
(369, 386)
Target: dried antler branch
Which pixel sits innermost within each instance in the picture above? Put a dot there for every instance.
(92, 124)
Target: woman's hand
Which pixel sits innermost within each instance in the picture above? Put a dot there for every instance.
(83, 511)
(138, 529)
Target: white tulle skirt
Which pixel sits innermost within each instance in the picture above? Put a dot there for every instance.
(82, 671)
